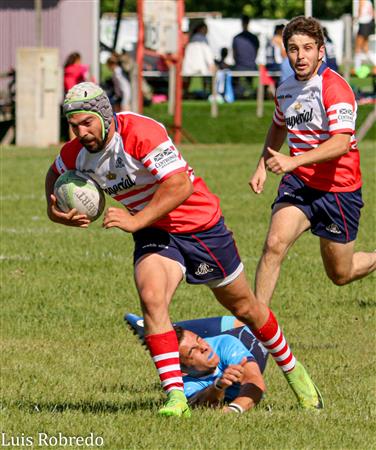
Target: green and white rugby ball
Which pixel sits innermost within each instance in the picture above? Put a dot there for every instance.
(74, 189)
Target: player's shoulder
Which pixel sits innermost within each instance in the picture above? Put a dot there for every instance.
(72, 146)
(331, 78)
(222, 340)
(286, 85)
(335, 86)
(130, 121)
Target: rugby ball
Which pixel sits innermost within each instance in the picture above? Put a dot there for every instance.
(74, 189)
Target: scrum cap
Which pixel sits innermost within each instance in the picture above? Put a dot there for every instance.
(89, 98)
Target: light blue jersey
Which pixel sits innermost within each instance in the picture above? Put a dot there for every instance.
(230, 351)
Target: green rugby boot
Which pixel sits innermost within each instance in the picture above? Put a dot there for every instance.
(309, 397)
(176, 405)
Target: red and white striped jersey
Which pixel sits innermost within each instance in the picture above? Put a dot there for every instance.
(138, 158)
(313, 111)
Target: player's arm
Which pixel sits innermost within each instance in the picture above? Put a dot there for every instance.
(251, 389)
(215, 393)
(274, 140)
(336, 146)
(70, 218)
(171, 193)
(211, 396)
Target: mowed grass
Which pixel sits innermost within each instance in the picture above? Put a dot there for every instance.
(69, 365)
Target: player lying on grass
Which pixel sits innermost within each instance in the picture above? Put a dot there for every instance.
(221, 360)
(177, 227)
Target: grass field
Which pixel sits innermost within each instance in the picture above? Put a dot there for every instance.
(236, 122)
(69, 365)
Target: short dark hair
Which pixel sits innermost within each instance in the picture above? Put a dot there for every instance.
(278, 29)
(72, 59)
(180, 331)
(245, 20)
(304, 25)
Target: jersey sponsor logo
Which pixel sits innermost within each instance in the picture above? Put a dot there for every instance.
(333, 228)
(297, 119)
(282, 96)
(125, 183)
(203, 269)
(119, 163)
(152, 245)
(297, 106)
(165, 157)
(110, 175)
(345, 114)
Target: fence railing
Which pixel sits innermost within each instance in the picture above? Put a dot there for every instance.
(170, 76)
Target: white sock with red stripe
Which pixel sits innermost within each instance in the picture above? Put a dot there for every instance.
(164, 349)
(272, 338)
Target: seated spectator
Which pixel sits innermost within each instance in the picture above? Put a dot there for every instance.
(198, 57)
(245, 46)
(221, 62)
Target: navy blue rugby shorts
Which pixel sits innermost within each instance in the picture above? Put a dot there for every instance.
(333, 215)
(208, 257)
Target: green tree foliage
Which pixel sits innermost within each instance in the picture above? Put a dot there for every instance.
(112, 6)
(270, 9)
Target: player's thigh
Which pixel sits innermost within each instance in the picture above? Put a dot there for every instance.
(337, 257)
(287, 223)
(157, 277)
(237, 296)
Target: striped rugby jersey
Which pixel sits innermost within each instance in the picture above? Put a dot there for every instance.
(313, 111)
(138, 158)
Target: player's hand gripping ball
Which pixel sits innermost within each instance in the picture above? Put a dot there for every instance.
(74, 189)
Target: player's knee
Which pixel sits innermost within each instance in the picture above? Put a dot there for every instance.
(151, 298)
(339, 278)
(247, 313)
(274, 246)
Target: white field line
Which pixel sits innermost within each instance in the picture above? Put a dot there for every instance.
(18, 197)
(83, 256)
(30, 230)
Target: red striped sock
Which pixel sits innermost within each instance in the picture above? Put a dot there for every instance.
(164, 350)
(272, 338)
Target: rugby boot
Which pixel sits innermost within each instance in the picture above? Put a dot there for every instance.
(309, 397)
(176, 405)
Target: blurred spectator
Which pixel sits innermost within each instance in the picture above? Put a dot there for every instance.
(221, 62)
(128, 65)
(199, 58)
(154, 61)
(245, 46)
(74, 71)
(121, 98)
(366, 21)
(275, 50)
(330, 51)
(286, 70)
